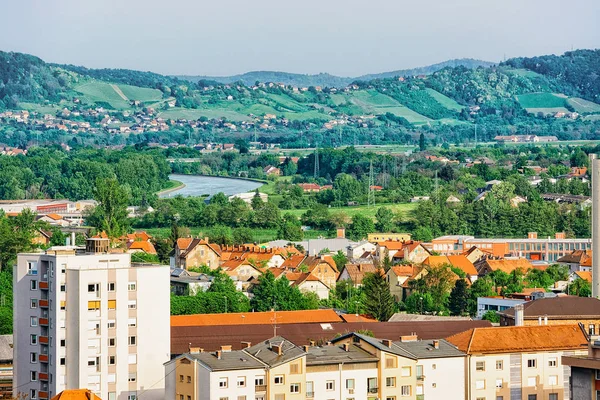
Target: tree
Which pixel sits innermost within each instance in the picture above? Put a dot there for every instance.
(221, 235)
(256, 201)
(16, 235)
(242, 146)
(385, 219)
(340, 260)
(379, 302)
(579, 158)
(360, 227)
(290, 228)
(422, 142)
(458, 302)
(267, 216)
(491, 316)
(580, 287)
(110, 215)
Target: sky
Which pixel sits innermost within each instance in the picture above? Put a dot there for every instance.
(341, 37)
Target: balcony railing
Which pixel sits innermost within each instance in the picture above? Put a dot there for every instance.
(42, 395)
(43, 303)
(44, 358)
(44, 339)
(43, 376)
(43, 285)
(421, 377)
(43, 321)
(260, 388)
(372, 389)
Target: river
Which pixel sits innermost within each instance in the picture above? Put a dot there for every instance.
(210, 185)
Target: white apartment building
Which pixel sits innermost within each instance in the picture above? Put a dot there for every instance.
(78, 315)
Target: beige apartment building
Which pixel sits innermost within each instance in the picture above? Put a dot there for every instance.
(79, 315)
(519, 362)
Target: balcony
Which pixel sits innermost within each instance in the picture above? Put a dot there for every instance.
(310, 394)
(44, 339)
(43, 303)
(44, 358)
(372, 389)
(42, 395)
(260, 388)
(421, 377)
(43, 285)
(43, 376)
(43, 321)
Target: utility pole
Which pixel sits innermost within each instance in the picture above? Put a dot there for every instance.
(371, 194)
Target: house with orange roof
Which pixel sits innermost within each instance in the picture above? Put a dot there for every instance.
(457, 261)
(474, 254)
(585, 275)
(54, 220)
(507, 265)
(578, 260)
(241, 270)
(258, 318)
(398, 277)
(293, 262)
(195, 252)
(523, 362)
(397, 251)
(141, 246)
(323, 268)
(355, 273)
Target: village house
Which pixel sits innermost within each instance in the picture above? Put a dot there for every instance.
(190, 252)
(398, 278)
(185, 282)
(355, 273)
(322, 267)
(578, 260)
(408, 251)
(488, 265)
(361, 250)
(271, 170)
(457, 261)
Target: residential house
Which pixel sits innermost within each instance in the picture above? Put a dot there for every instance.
(496, 304)
(304, 281)
(578, 260)
(583, 384)
(456, 261)
(452, 200)
(585, 275)
(487, 265)
(41, 237)
(241, 270)
(474, 254)
(398, 277)
(519, 362)
(322, 267)
(54, 220)
(360, 250)
(194, 252)
(141, 247)
(271, 170)
(309, 187)
(408, 251)
(185, 282)
(355, 273)
(561, 310)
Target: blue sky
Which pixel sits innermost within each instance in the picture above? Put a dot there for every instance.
(342, 37)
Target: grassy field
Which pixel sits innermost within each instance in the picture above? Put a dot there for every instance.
(583, 106)
(541, 101)
(40, 108)
(144, 95)
(101, 92)
(404, 209)
(176, 113)
(547, 110)
(522, 72)
(444, 100)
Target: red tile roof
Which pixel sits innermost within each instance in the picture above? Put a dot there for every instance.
(76, 394)
(145, 246)
(250, 318)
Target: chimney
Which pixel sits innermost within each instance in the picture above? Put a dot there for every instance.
(322, 256)
(312, 342)
(218, 354)
(305, 348)
(277, 348)
(436, 344)
(409, 338)
(206, 239)
(539, 320)
(560, 235)
(225, 349)
(196, 350)
(346, 346)
(341, 233)
(246, 345)
(546, 320)
(387, 342)
(595, 164)
(519, 316)
(532, 235)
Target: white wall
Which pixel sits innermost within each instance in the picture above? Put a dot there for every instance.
(340, 392)
(444, 378)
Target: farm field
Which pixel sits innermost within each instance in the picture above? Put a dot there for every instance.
(190, 113)
(583, 106)
(444, 100)
(549, 110)
(100, 92)
(539, 101)
(145, 95)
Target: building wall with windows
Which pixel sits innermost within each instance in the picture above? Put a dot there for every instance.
(281, 377)
(349, 381)
(440, 378)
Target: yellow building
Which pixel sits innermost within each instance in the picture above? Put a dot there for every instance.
(384, 237)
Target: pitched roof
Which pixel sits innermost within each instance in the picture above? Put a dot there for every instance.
(313, 261)
(324, 355)
(188, 244)
(145, 246)
(266, 351)
(357, 271)
(509, 265)
(76, 394)
(249, 318)
(139, 236)
(510, 339)
(6, 348)
(226, 360)
(184, 243)
(561, 307)
(53, 216)
(357, 318)
(585, 275)
(211, 337)
(421, 349)
(576, 257)
(293, 262)
(404, 270)
(462, 262)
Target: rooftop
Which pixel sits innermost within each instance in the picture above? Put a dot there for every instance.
(563, 307)
(331, 354)
(226, 360)
(76, 394)
(251, 318)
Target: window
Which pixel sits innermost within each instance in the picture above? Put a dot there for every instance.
(63, 361)
(132, 304)
(112, 360)
(223, 382)
(111, 323)
(132, 397)
(294, 368)
(419, 371)
(32, 268)
(223, 398)
(498, 383)
(372, 385)
(63, 288)
(390, 362)
(63, 305)
(111, 286)
(180, 378)
(280, 396)
(390, 398)
(33, 376)
(405, 390)
(32, 394)
(131, 340)
(34, 285)
(480, 365)
(92, 361)
(33, 321)
(499, 365)
(553, 380)
(532, 381)
(480, 384)
(33, 339)
(330, 385)
(132, 359)
(278, 380)
(181, 397)
(531, 363)
(93, 287)
(93, 305)
(131, 286)
(405, 371)
(390, 381)
(552, 362)
(591, 329)
(532, 397)
(553, 396)
(349, 383)
(112, 342)
(132, 322)
(33, 358)
(499, 397)
(112, 304)
(189, 379)
(132, 377)
(33, 303)
(241, 381)
(259, 381)
(295, 388)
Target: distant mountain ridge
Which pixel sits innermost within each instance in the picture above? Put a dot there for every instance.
(328, 80)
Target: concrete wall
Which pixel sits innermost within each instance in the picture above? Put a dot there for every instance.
(581, 384)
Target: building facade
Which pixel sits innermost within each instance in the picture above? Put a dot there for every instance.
(77, 315)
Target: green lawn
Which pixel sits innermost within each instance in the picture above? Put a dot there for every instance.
(522, 72)
(547, 110)
(444, 100)
(144, 95)
(101, 92)
(189, 113)
(541, 100)
(583, 106)
(40, 108)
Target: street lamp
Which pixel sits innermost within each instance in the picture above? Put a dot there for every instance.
(421, 298)
(356, 303)
(225, 297)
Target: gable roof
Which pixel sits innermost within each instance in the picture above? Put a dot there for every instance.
(313, 261)
(510, 339)
(585, 275)
(266, 351)
(463, 263)
(249, 318)
(192, 243)
(76, 394)
(226, 360)
(293, 261)
(560, 307)
(145, 246)
(509, 265)
(404, 270)
(576, 257)
(357, 271)
(421, 349)
(324, 355)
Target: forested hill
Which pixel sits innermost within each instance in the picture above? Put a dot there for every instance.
(328, 80)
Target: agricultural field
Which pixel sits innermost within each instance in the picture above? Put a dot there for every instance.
(145, 95)
(405, 210)
(522, 72)
(583, 106)
(444, 100)
(100, 92)
(190, 113)
(40, 108)
(539, 101)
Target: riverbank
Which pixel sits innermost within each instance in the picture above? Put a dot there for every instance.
(174, 185)
(206, 185)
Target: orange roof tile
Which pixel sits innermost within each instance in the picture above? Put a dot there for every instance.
(463, 263)
(145, 246)
(53, 216)
(509, 266)
(404, 270)
(294, 261)
(257, 318)
(184, 243)
(357, 271)
(585, 275)
(510, 339)
(355, 318)
(76, 394)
